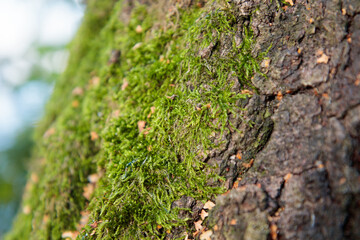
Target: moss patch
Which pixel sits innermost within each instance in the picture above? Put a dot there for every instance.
(142, 102)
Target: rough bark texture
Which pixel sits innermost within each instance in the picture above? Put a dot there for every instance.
(291, 174)
(304, 183)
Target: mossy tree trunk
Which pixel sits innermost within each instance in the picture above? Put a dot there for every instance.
(251, 105)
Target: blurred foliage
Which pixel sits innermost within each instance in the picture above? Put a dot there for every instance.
(13, 163)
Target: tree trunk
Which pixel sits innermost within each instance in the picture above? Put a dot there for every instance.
(165, 96)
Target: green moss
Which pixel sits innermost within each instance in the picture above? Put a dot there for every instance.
(182, 97)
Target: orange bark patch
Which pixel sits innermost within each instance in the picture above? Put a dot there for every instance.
(287, 177)
(273, 231)
(323, 59)
(248, 165)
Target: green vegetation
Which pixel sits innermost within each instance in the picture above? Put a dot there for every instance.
(143, 120)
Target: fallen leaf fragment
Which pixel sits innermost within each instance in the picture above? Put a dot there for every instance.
(93, 178)
(209, 205)
(141, 125)
(246, 91)
(198, 107)
(94, 224)
(198, 225)
(206, 235)
(138, 29)
(265, 63)
(342, 181)
(115, 114)
(277, 213)
(172, 97)
(233, 222)
(357, 82)
(287, 177)
(75, 104)
(203, 214)
(248, 165)
(95, 81)
(83, 220)
(125, 84)
(146, 131)
(323, 59)
(200, 5)
(186, 236)
(290, 2)
(88, 190)
(320, 165)
(152, 111)
(49, 132)
(78, 91)
(26, 209)
(279, 96)
(319, 52)
(136, 46)
(236, 184)
(94, 136)
(225, 193)
(46, 218)
(70, 234)
(34, 178)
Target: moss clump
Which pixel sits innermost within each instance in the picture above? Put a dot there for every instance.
(144, 121)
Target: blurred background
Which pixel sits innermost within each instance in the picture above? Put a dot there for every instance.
(33, 39)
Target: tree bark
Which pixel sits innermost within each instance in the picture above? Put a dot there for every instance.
(304, 183)
(291, 174)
